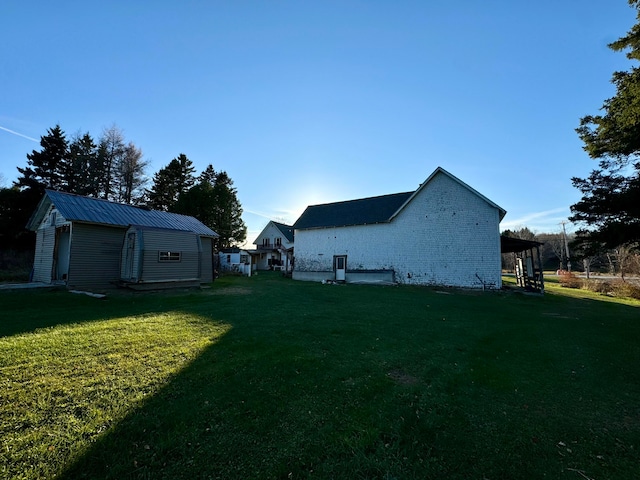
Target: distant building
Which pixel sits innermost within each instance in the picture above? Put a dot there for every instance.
(234, 260)
(274, 247)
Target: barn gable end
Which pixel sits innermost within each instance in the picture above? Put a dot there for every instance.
(444, 233)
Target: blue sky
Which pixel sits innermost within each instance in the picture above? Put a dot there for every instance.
(313, 102)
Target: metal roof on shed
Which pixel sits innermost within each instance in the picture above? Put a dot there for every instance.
(94, 210)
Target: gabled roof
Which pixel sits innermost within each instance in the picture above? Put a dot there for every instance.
(441, 170)
(372, 210)
(77, 208)
(363, 211)
(287, 230)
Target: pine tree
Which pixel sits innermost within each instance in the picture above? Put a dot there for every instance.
(46, 168)
(609, 208)
(170, 182)
(213, 201)
(81, 170)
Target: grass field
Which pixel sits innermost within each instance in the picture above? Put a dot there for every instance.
(265, 377)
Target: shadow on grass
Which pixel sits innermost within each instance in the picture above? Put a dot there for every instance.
(377, 382)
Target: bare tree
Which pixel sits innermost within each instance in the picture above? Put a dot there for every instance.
(129, 178)
(553, 247)
(111, 150)
(626, 258)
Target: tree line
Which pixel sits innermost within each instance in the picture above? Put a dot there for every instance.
(113, 169)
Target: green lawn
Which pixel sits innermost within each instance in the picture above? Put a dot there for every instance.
(265, 377)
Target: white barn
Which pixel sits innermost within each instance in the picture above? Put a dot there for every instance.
(89, 243)
(444, 233)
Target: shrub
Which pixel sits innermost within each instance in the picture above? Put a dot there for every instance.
(569, 280)
(626, 289)
(616, 288)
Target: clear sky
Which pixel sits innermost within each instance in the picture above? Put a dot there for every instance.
(311, 102)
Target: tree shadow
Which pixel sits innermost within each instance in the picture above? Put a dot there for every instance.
(286, 388)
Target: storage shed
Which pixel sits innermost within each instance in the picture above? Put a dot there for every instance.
(90, 243)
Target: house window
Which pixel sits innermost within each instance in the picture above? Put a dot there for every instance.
(52, 219)
(278, 241)
(266, 242)
(244, 259)
(228, 258)
(164, 256)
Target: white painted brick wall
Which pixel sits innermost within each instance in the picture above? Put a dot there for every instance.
(447, 235)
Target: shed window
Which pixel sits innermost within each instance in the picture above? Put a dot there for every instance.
(164, 256)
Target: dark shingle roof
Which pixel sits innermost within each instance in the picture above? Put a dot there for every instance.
(366, 211)
(287, 230)
(93, 210)
(354, 212)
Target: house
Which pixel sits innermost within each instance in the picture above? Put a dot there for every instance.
(90, 243)
(443, 233)
(235, 260)
(274, 247)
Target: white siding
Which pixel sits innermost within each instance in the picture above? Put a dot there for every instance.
(446, 235)
(43, 260)
(271, 233)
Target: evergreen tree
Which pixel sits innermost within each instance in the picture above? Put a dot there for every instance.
(16, 207)
(228, 213)
(213, 201)
(610, 205)
(170, 182)
(46, 168)
(81, 170)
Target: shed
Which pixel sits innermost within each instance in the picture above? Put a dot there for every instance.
(90, 243)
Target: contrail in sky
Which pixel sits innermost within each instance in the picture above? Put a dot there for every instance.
(19, 134)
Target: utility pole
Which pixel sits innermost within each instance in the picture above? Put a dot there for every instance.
(566, 246)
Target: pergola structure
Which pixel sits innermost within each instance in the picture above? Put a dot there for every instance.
(528, 262)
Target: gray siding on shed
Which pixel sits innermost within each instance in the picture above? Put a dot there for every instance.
(43, 260)
(206, 271)
(95, 256)
(155, 241)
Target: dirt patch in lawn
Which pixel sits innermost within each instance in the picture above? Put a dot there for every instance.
(402, 377)
(231, 291)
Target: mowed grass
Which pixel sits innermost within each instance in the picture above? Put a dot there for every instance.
(265, 377)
